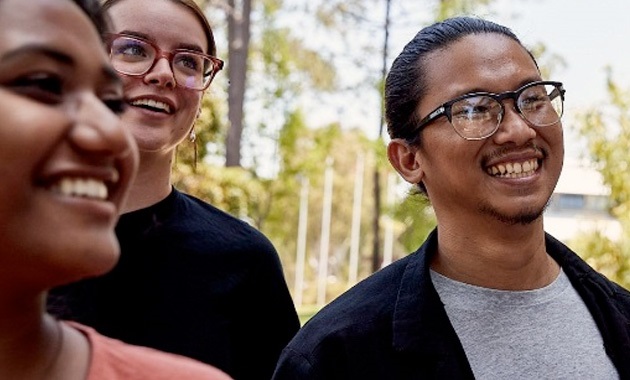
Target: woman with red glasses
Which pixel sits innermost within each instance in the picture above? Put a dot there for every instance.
(192, 279)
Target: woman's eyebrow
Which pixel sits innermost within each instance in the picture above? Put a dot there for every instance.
(35, 49)
(183, 45)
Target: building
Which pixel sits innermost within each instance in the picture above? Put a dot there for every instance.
(580, 204)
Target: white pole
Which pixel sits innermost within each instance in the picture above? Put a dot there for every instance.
(325, 237)
(389, 222)
(301, 243)
(353, 268)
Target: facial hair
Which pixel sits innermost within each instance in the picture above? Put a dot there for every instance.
(524, 217)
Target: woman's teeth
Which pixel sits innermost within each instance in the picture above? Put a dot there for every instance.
(150, 103)
(81, 187)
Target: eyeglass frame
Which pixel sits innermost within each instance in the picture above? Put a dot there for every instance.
(445, 108)
(217, 63)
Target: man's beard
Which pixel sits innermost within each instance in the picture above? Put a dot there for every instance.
(524, 217)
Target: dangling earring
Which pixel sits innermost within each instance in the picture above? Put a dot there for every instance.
(192, 137)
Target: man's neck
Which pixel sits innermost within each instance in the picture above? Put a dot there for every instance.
(495, 256)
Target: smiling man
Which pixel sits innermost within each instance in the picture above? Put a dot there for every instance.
(489, 294)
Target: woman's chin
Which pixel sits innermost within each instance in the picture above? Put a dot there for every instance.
(96, 261)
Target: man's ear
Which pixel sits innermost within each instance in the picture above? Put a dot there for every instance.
(406, 160)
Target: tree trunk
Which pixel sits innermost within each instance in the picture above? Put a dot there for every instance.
(376, 243)
(238, 37)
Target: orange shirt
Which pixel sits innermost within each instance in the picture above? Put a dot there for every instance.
(112, 359)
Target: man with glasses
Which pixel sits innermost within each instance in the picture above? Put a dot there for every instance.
(489, 294)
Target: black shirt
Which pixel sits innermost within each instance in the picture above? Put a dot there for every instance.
(194, 281)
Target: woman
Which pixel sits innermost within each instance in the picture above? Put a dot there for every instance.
(66, 164)
(191, 280)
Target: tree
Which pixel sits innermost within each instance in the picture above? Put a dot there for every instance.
(607, 134)
(282, 66)
(239, 17)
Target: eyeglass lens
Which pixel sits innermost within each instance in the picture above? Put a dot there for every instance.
(478, 117)
(133, 56)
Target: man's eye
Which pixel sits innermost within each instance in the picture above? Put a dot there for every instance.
(42, 87)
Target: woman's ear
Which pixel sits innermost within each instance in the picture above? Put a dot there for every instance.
(406, 160)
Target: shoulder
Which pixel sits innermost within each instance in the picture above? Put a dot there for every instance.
(202, 210)
(587, 280)
(113, 359)
(206, 224)
(351, 337)
(361, 315)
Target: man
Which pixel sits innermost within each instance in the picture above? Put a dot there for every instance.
(488, 295)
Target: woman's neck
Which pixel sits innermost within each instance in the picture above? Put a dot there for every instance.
(152, 183)
(33, 344)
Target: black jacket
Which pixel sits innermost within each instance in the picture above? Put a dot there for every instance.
(393, 325)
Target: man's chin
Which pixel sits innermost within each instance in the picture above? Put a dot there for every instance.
(523, 217)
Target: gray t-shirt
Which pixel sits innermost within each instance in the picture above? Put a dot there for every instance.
(545, 333)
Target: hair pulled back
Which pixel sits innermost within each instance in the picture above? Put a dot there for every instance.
(405, 84)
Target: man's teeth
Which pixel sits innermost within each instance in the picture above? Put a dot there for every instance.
(153, 104)
(81, 187)
(514, 169)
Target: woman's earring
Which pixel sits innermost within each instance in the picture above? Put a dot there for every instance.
(192, 136)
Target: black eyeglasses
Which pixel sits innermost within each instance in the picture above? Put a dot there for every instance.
(134, 56)
(477, 115)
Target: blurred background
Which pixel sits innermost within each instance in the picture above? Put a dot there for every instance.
(291, 137)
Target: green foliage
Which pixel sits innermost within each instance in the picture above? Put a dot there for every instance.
(285, 58)
(303, 155)
(608, 143)
(607, 133)
(452, 8)
(548, 61)
(608, 257)
(281, 68)
(234, 190)
(417, 217)
(341, 16)
(208, 130)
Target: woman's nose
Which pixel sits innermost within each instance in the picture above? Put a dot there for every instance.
(97, 130)
(161, 73)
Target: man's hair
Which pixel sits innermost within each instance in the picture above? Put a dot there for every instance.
(405, 84)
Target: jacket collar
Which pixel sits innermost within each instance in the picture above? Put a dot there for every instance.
(420, 320)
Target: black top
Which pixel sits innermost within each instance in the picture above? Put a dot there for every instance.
(393, 325)
(191, 280)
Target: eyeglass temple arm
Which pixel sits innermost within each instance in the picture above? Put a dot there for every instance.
(557, 91)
